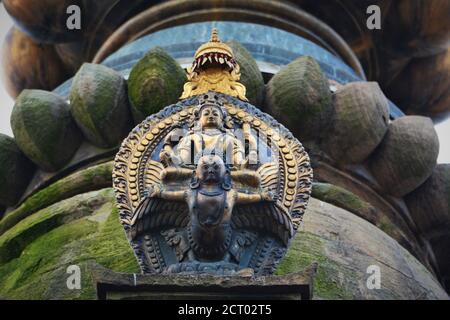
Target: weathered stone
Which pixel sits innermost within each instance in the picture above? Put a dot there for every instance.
(343, 198)
(99, 105)
(35, 254)
(429, 204)
(299, 97)
(360, 122)
(44, 129)
(15, 171)
(86, 228)
(30, 65)
(155, 81)
(251, 77)
(344, 246)
(407, 155)
(92, 178)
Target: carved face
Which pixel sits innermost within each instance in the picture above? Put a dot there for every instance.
(211, 117)
(211, 169)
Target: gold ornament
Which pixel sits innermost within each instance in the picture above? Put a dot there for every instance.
(214, 69)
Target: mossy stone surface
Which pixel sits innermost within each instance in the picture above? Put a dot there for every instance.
(76, 231)
(44, 129)
(344, 246)
(92, 178)
(349, 201)
(429, 204)
(361, 119)
(36, 252)
(299, 97)
(155, 82)
(407, 155)
(16, 171)
(251, 76)
(99, 105)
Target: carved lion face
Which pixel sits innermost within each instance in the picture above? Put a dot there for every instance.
(211, 168)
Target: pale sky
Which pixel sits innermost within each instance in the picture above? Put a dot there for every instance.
(6, 102)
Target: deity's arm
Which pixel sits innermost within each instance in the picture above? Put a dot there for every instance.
(247, 198)
(173, 195)
(184, 149)
(167, 154)
(238, 152)
(156, 191)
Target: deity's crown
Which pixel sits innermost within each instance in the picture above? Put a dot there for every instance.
(214, 52)
(209, 99)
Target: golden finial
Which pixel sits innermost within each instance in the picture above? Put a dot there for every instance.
(214, 47)
(214, 60)
(215, 35)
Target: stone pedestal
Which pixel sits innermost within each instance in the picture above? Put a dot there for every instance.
(120, 286)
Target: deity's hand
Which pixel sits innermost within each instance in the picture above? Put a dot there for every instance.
(165, 156)
(253, 157)
(268, 196)
(169, 158)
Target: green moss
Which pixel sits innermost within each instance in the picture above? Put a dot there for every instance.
(347, 200)
(17, 238)
(89, 179)
(39, 272)
(307, 248)
(13, 164)
(251, 76)
(155, 81)
(44, 129)
(99, 104)
(342, 198)
(299, 96)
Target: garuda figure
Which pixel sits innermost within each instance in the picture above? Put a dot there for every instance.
(211, 184)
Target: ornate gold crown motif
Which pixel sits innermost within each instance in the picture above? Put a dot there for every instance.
(214, 69)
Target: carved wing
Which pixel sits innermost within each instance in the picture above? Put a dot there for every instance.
(153, 171)
(266, 217)
(157, 213)
(269, 176)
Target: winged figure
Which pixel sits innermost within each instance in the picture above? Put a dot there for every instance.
(209, 210)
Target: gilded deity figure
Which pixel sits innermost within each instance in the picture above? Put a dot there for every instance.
(210, 134)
